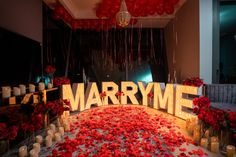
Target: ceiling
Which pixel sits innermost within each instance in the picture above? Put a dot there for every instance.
(85, 9)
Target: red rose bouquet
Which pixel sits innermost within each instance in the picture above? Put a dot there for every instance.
(58, 81)
(193, 81)
(8, 132)
(49, 69)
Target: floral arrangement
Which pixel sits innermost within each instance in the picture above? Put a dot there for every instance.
(212, 117)
(232, 120)
(49, 69)
(58, 81)
(35, 123)
(56, 107)
(193, 81)
(103, 95)
(8, 132)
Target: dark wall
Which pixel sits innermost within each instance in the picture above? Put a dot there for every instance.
(20, 58)
(23, 17)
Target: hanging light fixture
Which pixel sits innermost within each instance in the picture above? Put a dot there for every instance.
(123, 16)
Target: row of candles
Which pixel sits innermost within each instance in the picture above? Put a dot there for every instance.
(21, 90)
(54, 133)
(206, 141)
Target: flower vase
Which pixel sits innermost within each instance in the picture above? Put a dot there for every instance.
(46, 120)
(4, 146)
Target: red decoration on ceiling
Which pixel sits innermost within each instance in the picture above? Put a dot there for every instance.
(106, 12)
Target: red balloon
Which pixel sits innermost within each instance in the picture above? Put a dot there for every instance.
(160, 11)
(59, 10)
(169, 9)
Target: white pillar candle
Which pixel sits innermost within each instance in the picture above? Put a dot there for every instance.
(215, 147)
(6, 92)
(41, 86)
(230, 149)
(22, 89)
(52, 127)
(61, 131)
(50, 85)
(33, 153)
(23, 152)
(50, 133)
(48, 141)
(16, 91)
(57, 137)
(36, 147)
(31, 88)
(39, 139)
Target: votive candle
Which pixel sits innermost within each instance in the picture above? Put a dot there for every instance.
(230, 149)
(48, 141)
(57, 137)
(39, 139)
(36, 147)
(33, 153)
(22, 89)
(50, 133)
(41, 86)
(16, 91)
(214, 139)
(6, 92)
(61, 131)
(215, 147)
(67, 126)
(23, 152)
(52, 127)
(50, 85)
(31, 88)
(204, 142)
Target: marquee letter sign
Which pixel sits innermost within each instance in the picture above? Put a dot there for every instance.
(168, 97)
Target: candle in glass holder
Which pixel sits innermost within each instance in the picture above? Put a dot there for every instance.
(50, 85)
(52, 127)
(230, 149)
(16, 91)
(214, 139)
(50, 133)
(48, 141)
(23, 152)
(6, 92)
(41, 86)
(37, 147)
(31, 88)
(204, 142)
(66, 126)
(22, 89)
(57, 137)
(33, 153)
(39, 139)
(61, 130)
(215, 147)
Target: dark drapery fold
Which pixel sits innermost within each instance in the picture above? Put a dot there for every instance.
(103, 54)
